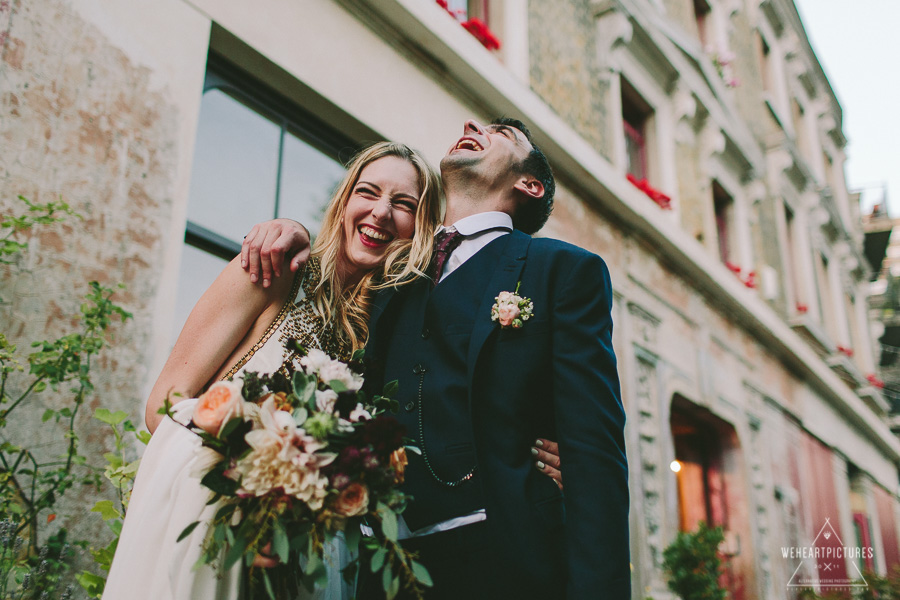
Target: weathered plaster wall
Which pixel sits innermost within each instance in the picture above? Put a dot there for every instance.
(104, 129)
(564, 69)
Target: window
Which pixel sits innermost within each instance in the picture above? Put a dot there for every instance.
(829, 317)
(470, 9)
(256, 158)
(636, 116)
(701, 15)
(791, 267)
(723, 205)
(801, 134)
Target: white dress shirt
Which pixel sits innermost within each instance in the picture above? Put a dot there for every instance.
(478, 231)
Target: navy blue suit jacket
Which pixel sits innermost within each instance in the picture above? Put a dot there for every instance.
(555, 378)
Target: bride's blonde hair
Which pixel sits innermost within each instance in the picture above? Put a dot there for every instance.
(347, 310)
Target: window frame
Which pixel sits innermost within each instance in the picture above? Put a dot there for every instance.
(288, 116)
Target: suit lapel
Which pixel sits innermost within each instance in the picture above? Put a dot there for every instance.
(377, 320)
(505, 277)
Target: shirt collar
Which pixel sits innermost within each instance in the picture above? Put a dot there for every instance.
(477, 223)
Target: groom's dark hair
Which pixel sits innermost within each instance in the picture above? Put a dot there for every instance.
(533, 213)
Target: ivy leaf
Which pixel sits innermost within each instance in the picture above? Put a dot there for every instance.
(110, 418)
(107, 510)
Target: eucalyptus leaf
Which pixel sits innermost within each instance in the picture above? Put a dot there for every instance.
(280, 543)
(378, 560)
(422, 574)
(236, 552)
(387, 580)
(388, 522)
(268, 583)
(187, 531)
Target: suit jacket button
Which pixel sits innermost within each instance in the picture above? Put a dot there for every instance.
(410, 406)
(425, 333)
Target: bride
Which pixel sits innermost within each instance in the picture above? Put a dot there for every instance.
(378, 230)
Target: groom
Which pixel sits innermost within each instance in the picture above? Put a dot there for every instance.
(475, 391)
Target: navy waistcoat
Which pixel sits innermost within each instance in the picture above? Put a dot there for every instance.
(427, 355)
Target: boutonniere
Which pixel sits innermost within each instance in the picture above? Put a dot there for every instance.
(512, 310)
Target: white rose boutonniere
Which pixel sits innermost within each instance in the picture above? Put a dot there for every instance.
(512, 310)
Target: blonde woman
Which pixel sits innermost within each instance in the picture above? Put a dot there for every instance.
(377, 231)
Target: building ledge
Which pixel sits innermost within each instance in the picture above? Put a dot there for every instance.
(808, 329)
(872, 396)
(846, 369)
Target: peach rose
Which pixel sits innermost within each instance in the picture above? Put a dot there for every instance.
(508, 313)
(219, 404)
(353, 501)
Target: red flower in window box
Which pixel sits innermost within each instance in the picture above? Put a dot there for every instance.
(750, 282)
(802, 308)
(663, 201)
(482, 33)
(848, 352)
(871, 378)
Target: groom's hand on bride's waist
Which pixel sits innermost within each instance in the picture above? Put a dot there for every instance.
(269, 244)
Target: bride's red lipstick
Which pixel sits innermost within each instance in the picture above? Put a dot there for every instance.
(368, 233)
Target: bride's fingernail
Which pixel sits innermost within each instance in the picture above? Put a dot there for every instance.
(540, 465)
(534, 451)
(539, 444)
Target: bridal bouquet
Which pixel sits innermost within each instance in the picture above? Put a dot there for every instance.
(292, 460)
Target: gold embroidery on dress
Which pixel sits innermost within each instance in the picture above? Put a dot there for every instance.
(301, 323)
(307, 327)
(295, 288)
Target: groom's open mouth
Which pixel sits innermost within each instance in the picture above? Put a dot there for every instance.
(468, 144)
(373, 237)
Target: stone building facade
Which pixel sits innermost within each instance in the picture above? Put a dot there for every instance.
(698, 148)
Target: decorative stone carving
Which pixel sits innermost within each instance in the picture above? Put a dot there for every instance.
(651, 475)
(759, 491)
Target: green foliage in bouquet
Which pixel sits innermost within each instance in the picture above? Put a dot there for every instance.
(300, 458)
(693, 565)
(30, 484)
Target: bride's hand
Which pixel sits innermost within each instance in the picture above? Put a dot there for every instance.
(266, 246)
(546, 459)
(264, 559)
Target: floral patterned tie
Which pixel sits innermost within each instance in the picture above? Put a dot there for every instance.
(444, 244)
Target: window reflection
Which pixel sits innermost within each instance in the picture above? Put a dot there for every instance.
(308, 179)
(251, 164)
(235, 169)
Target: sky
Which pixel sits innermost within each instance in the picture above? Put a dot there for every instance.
(858, 45)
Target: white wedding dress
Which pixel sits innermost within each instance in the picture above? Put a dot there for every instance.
(149, 563)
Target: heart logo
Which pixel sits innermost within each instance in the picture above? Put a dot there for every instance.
(827, 535)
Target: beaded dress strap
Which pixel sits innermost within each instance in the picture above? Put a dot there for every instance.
(279, 319)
